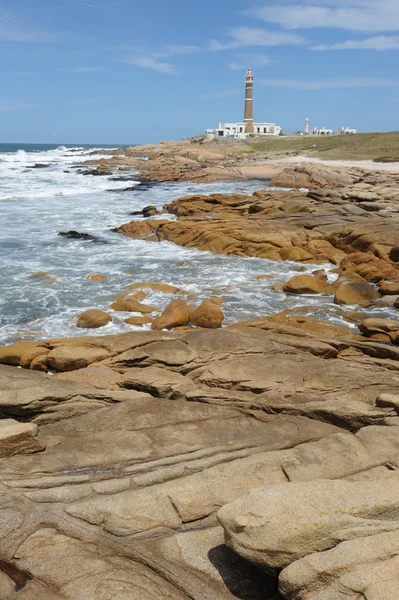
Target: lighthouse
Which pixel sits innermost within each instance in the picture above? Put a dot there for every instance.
(247, 127)
(249, 102)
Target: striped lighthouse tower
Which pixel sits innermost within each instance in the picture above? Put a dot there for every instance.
(249, 102)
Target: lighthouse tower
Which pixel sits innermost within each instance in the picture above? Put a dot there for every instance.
(306, 131)
(249, 102)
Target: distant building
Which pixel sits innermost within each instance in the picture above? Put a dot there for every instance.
(326, 132)
(346, 131)
(322, 132)
(240, 131)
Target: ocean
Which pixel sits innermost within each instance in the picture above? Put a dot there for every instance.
(36, 203)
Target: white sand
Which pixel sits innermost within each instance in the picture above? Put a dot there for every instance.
(363, 164)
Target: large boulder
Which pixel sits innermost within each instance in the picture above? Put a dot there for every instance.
(208, 314)
(176, 314)
(373, 326)
(388, 288)
(357, 292)
(275, 525)
(21, 353)
(307, 284)
(129, 304)
(72, 357)
(92, 319)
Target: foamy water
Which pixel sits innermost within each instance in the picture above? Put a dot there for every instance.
(36, 204)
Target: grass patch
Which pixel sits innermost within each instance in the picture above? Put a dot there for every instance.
(380, 147)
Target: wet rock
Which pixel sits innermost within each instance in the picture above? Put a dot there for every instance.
(38, 274)
(307, 284)
(146, 212)
(129, 304)
(76, 235)
(278, 287)
(394, 254)
(92, 319)
(139, 321)
(96, 277)
(155, 286)
(207, 315)
(176, 314)
(388, 288)
(362, 294)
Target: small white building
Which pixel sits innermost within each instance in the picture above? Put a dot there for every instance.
(346, 131)
(321, 132)
(236, 131)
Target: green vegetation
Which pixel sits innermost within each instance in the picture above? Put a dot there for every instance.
(380, 147)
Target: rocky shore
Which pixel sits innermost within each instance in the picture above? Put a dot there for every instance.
(253, 460)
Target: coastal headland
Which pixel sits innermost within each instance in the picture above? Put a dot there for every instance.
(201, 459)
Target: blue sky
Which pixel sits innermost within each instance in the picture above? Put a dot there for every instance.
(134, 71)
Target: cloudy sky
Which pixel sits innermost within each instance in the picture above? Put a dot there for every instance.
(131, 71)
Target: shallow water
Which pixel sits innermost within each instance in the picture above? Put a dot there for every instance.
(36, 204)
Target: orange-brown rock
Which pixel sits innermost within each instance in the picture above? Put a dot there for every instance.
(129, 304)
(318, 227)
(313, 177)
(375, 326)
(19, 352)
(278, 287)
(388, 288)
(362, 294)
(155, 286)
(139, 321)
(38, 274)
(141, 230)
(207, 315)
(176, 314)
(368, 266)
(92, 319)
(72, 357)
(96, 277)
(307, 284)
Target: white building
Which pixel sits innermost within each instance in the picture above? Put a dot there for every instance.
(323, 131)
(346, 131)
(326, 132)
(236, 131)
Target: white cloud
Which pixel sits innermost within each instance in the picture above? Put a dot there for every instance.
(83, 70)
(221, 94)
(381, 42)
(155, 60)
(333, 83)
(357, 15)
(172, 50)
(243, 61)
(147, 62)
(241, 37)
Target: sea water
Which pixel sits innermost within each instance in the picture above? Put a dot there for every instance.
(37, 203)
